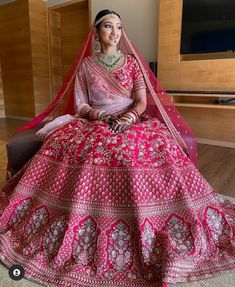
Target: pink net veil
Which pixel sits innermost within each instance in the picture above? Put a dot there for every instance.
(159, 104)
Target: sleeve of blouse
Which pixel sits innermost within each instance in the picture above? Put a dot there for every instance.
(81, 98)
(138, 78)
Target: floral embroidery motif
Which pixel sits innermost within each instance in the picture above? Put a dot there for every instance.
(53, 237)
(32, 248)
(36, 223)
(218, 225)
(20, 213)
(179, 235)
(119, 246)
(85, 241)
(93, 144)
(130, 75)
(151, 248)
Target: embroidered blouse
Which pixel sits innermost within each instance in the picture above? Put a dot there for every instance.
(130, 75)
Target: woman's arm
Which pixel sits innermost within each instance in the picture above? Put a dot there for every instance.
(130, 117)
(140, 101)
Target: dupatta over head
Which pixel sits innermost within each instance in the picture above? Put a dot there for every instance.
(159, 104)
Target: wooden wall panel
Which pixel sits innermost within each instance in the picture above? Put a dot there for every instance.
(2, 105)
(37, 51)
(55, 52)
(15, 53)
(38, 18)
(214, 124)
(176, 74)
(74, 29)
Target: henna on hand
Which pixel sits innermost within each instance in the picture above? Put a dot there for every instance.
(119, 127)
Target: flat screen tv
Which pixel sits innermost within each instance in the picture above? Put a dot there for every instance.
(208, 26)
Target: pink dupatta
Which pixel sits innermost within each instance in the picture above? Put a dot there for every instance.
(103, 90)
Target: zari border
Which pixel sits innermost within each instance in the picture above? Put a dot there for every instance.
(11, 257)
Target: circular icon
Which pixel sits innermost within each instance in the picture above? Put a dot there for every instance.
(16, 272)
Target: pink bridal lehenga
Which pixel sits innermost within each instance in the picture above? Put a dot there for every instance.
(94, 208)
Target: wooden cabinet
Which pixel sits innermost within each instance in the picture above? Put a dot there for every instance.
(204, 79)
(206, 101)
(212, 123)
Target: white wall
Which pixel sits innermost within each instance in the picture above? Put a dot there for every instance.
(140, 18)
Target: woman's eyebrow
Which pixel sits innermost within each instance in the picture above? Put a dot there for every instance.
(112, 23)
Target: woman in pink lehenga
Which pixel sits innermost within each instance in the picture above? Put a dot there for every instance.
(113, 197)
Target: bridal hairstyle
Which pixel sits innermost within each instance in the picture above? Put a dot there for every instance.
(100, 16)
(159, 104)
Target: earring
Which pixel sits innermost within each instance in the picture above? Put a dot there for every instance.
(97, 46)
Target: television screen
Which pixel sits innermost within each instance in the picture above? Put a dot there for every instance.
(208, 26)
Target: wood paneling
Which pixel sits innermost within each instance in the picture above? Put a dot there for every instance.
(16, 62)
(215, 75)
(214, 123)
(69, 25)
(38, 18)
(74, 28)
(2, 105)
(55, 51)
(37, 51)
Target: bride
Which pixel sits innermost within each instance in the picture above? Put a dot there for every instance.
(114, 197)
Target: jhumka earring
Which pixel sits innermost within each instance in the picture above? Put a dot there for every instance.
(97, 46)
(118, 47)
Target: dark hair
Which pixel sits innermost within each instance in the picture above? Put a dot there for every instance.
(102, 13)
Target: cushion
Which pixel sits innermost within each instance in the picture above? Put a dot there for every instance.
(22, 147)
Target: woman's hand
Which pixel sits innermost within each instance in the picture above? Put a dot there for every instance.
(119, 127)
(111, 120)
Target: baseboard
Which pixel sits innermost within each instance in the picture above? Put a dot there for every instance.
(216, 143)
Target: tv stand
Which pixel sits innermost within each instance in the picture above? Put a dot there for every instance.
(202, 99)
(196, 85)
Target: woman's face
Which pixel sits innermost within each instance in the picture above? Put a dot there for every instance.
(110, 31)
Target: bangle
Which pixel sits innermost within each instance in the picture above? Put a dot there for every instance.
(101, 114)
(94, 114)
(124, 122)
(135, 113)
(131, 116)
(85, 110)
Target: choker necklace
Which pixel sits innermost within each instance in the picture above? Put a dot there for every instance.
(109, 61)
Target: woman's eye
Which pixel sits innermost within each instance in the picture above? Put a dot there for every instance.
(107, 26)
(119, 28)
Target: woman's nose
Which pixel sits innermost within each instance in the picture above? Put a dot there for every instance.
(114, 31)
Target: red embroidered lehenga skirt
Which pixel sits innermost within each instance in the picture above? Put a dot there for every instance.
(93, 208)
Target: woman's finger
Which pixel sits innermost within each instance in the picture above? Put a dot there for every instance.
(122, 128)
(114, 127)
(113, 120)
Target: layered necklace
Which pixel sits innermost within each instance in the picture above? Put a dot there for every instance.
(110, 61)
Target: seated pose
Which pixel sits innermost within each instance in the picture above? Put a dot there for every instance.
(114, 196)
